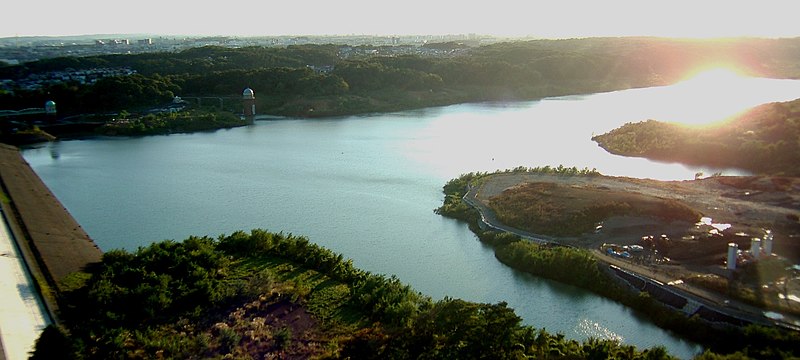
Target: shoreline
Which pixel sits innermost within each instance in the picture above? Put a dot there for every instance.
(52, 243)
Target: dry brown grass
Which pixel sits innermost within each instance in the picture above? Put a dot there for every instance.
(569, 210)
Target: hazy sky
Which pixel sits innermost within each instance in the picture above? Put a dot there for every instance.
(550, 18)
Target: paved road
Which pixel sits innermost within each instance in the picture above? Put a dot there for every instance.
(488, 218)
(22, 314)
(710, 299)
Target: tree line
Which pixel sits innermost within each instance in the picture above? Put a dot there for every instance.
(292, 80)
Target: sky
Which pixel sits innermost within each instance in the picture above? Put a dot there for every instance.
(544, 19)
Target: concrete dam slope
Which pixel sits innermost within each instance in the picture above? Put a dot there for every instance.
(53, 243)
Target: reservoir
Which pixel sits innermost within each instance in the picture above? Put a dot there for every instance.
(366, 186)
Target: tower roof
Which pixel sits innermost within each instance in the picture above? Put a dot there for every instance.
(248, 93)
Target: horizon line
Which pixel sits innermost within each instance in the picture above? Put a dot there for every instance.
(507, 36)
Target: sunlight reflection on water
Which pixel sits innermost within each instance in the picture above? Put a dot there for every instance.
(558, 131)
(592, 329)
(715, 95)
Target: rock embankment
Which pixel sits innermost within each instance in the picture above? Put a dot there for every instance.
(54, 243)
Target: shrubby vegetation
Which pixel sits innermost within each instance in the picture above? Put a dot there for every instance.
(765, 140)
(566, 264)
(211, 298)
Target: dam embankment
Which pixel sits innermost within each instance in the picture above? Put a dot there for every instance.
(51, 241)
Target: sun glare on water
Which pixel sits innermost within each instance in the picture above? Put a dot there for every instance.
(712, 96)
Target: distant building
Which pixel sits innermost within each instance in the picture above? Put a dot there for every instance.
(768, 238)
(50, 107)
(249, 102)
(50, 111)
(112, 42)
(755, 247)
(147, 41)
(733, 254)
(322, 69)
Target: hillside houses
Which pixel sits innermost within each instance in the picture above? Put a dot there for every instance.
(82, 77)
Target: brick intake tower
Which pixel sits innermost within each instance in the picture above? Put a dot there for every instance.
(249, 102)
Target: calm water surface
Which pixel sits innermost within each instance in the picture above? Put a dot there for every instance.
(366, 186)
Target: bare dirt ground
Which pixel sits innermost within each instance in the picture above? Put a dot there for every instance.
(270, 327)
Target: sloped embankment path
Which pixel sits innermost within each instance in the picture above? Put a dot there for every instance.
(46, 229)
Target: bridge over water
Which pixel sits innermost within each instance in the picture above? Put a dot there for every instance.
(28, 111)
(219, 99)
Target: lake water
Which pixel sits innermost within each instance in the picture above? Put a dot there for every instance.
(366, 187)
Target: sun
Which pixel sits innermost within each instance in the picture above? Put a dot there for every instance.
(716, 77)
(714, 94)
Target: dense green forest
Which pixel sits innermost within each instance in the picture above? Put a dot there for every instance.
(261, 294)
(580, 268)
(764, 140)
(316, 80)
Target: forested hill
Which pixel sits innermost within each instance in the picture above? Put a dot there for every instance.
(315, 80)
(764, 140)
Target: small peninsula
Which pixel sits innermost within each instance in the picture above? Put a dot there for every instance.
(763, 140)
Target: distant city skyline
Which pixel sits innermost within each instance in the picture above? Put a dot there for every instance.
(545, 19)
